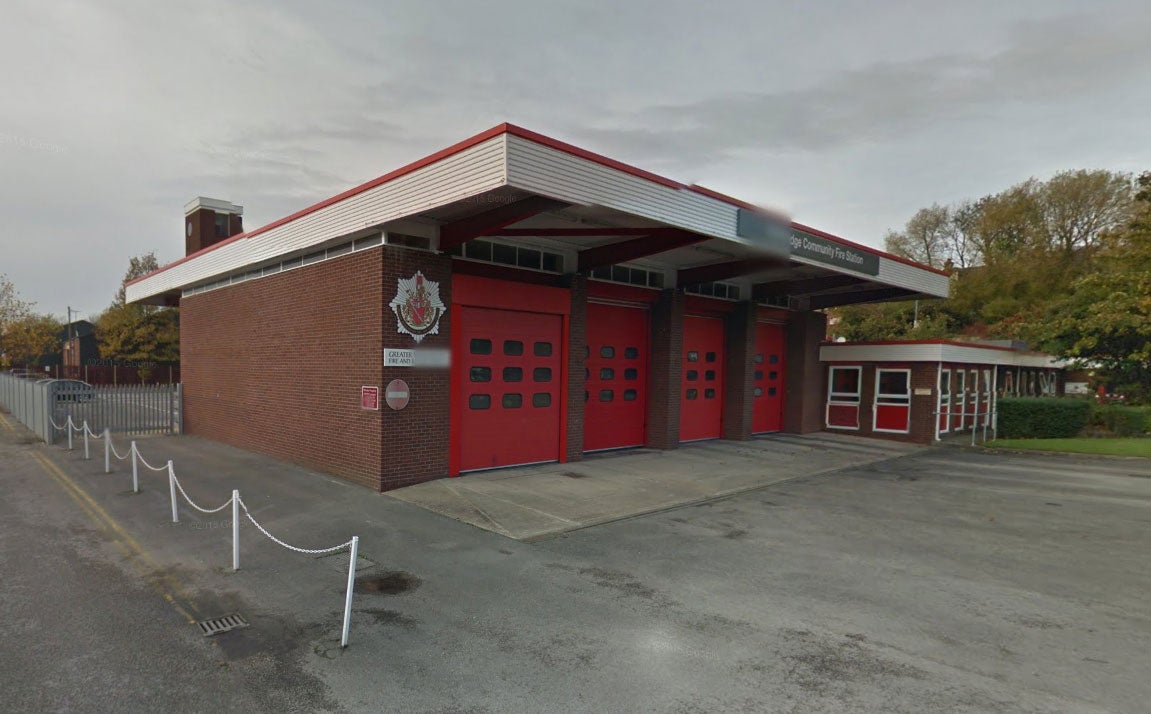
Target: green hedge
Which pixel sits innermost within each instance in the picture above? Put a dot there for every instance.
(1041, 417)
(1122, 420)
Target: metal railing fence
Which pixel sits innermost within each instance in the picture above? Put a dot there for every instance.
(123, 409)
(30, 403)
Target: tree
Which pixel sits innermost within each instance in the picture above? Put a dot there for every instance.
(1105, 319)
(22, 332)
(31, 337)
(1079, 207)
(138, 333)
(1013, 254)
(925, 238)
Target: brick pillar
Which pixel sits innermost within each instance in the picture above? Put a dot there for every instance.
(416, 439)
(805, 380)
(925, 377)
(576, 367)
(665, 371)
(739, 335)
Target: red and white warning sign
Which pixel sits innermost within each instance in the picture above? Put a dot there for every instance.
(369, 397)
(397, 394)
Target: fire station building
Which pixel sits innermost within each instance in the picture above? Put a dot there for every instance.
(511, 299)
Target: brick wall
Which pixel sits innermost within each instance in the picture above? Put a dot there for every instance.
(577, 363)
(416, 439)
(275, 365)
(739, 375)
(805, 376)
(665, 370)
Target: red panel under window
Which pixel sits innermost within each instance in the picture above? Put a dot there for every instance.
(843, 415)
(891, 417)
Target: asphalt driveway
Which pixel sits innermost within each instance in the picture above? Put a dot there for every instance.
(943, 581)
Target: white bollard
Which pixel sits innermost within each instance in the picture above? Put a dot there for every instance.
(351, 584)
(107, 450)
(172, 491)
(87, 454)
(68, 426)
(135, 471)
(235, 530)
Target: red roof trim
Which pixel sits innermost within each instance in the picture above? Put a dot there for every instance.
(952, 343)
(514, 130)
(868, 249)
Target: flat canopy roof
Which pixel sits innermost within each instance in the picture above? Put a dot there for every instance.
(514, 185)
(935, 351)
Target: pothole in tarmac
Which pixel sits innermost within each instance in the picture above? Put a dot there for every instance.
(395, 582)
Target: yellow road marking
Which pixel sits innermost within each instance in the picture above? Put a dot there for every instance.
(180, 601)
(5, 424)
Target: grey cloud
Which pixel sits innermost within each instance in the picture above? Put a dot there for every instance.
(1050, 61)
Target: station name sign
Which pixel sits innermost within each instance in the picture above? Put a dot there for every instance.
(813, 247)
(763, 229)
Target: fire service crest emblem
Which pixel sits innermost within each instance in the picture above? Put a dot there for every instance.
(417, 306)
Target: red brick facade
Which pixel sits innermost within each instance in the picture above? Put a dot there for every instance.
(739, 381)
(577, 362)
(416, 439)
(275, 365)
(665, 370)
(805, 378)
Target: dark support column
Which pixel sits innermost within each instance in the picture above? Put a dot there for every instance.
(804, 403)
(666, 371)
(576, 366)
(739, 332)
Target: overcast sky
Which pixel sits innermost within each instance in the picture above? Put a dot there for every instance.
(847, 115)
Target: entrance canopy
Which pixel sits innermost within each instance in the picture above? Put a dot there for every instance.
(514, 196)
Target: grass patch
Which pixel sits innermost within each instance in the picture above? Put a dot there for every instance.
(1109, 447)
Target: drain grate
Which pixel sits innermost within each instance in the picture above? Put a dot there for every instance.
(222, 624)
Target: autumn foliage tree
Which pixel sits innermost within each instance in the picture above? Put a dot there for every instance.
(1104, 319)
(1010, 254)
(25, 336)
(135, 333)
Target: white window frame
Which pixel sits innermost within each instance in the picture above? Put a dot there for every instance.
(942, 403)
(961, 377)
(973, 387)
(988, 394)
(832, 401)
(875, 404)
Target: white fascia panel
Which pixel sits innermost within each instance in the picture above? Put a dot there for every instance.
(848, 352)
(454, 178)
(545, 170)
(930, 352)
(551, 172)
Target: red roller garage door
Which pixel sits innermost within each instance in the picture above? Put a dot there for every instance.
(617, 338)
(767, 389)
(511, 381)
(701, 403)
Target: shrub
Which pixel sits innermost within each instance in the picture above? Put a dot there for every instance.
(1041, 417)
(1121, 420)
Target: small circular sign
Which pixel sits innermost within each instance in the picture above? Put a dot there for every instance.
(397, 394)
